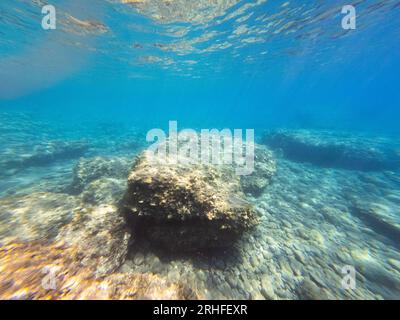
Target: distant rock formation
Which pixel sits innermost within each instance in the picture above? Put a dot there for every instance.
(379, 217)
(186, 207)
(42, 154)
(332, 149)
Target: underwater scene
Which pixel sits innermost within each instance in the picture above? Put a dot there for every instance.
(200, 149)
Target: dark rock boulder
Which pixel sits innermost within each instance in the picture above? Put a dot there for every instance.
(308, 290)
(42, 154)
(379, 217)
(186, 207)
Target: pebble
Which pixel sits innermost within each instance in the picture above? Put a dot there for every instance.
(394, 263)
(299, 256)
(308, 290)
(266, 288)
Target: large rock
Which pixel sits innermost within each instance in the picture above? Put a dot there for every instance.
(55, 150)
(308, 290)
(332, 149)
(186, 207)
(23, 156)
(380, 217)
(98, 234)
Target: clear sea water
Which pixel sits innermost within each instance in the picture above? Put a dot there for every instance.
(111, 67)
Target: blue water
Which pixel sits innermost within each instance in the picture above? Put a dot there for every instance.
(310, 74)
(111, 67)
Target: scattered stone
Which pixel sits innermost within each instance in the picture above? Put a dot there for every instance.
(264, 170)
(308, 290)
(45, 153)
(232, 281)
(257, 296)
(296, 267)
(316, 278)
(379, 279)
(332, 149)
(299, 257)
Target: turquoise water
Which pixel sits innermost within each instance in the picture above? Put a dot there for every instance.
(323, 99)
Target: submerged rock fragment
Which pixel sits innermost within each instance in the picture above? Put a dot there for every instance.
(186, 206)
(104, 191)
(308, 290)
(88, 170)
(43, 154)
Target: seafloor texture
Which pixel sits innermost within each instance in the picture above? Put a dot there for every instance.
(63, 209)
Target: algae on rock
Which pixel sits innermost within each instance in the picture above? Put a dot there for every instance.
(186, 206)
